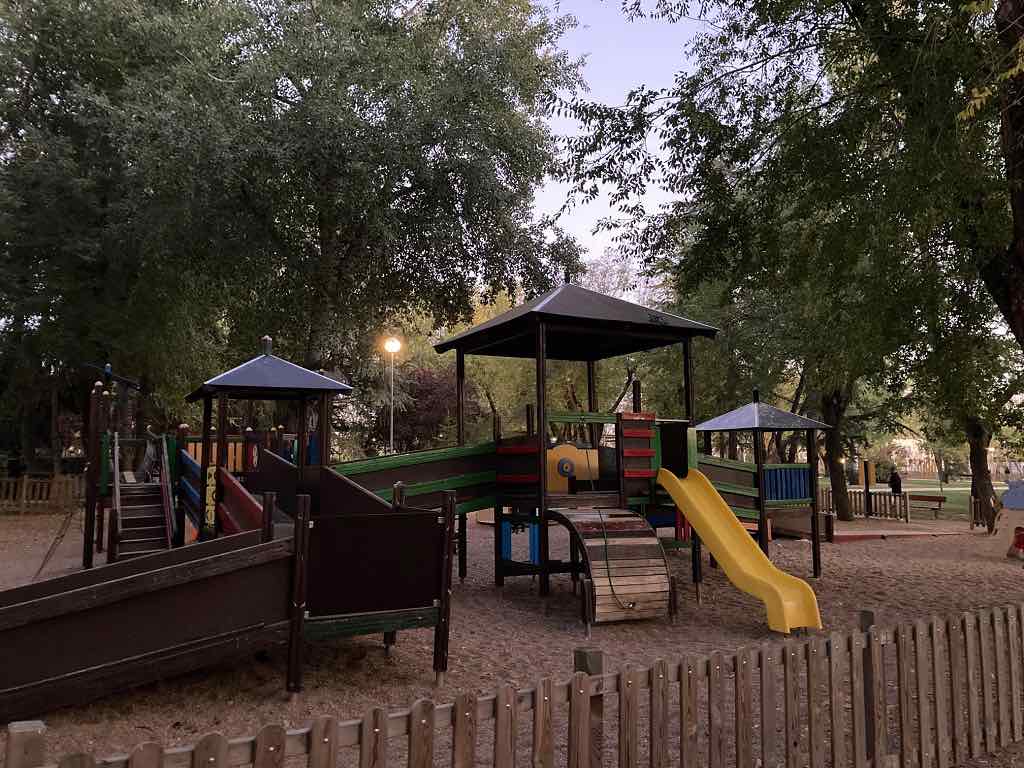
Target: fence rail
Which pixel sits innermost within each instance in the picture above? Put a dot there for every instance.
(26, 495)
(927, 694)
(884, 505)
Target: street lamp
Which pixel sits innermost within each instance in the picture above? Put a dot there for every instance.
(391, 346)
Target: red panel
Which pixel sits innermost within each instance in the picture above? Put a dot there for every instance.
(638, 417)
(643, 452)
(638, 433)
(514, 449)
(635, 473)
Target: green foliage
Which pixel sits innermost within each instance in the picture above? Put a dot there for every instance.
(178, 179)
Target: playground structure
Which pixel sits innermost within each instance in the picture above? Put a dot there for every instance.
(282, 568)
(286, 550)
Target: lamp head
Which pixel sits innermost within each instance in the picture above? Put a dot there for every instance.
(392, 345)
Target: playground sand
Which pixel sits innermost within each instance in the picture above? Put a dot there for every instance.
(512, 636)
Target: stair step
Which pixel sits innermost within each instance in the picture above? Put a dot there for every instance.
(137, 533)
(141, 545)
(142, 509)
(140, 553)
(141, 521)
(132, 488)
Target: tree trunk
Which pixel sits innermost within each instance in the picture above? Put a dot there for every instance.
(979, 437)
(55, 442)
(834, 405)
(1003, 273)
(733, 447)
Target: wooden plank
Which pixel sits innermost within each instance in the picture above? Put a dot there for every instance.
(876, 638)
(769, 706)
(211, 751)
(579, 722)
(323, 743)
(858, 700)
(629, 719)
(816, 681)
(76, 759)
(973, 683)
(543, 735)
(658, 713)
(373, 743)
(1002, 675)
(957, 683)
(505, 727)
(716, 738)
(689, 675)
(904, 665)
(743, 704)
(270, 745)
(421, 734)
(940, 663)
(990, 726)
(464, 730)
(792, 658)
(619, 582)
(1016, 679)
(926, 740)
(149, 754)
(837, 646)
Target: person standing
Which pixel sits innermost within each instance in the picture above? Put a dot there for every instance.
(895, 482)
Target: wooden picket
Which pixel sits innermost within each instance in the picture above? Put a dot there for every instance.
(957, 685)
(884, 504)
(33, 495)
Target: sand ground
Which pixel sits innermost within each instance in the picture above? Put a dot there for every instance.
(512, 635)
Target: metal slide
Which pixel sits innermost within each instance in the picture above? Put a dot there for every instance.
(790, 601)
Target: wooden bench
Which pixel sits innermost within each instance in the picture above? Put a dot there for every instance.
(922, 502)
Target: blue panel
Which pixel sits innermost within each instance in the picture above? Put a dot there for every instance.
(787, 483)
(506, 541)
(535, 544)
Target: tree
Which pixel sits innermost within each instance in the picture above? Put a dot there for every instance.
(177, 179)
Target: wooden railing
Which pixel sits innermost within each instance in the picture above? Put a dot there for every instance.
(27, 495)
(927, 694)
(885, 505)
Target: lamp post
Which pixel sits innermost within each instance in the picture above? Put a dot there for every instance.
(391, 346)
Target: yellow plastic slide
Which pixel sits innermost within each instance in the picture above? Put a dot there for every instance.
(790, 601)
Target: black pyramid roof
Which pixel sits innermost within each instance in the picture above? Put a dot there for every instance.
(758, 415)
(268, 377)
(583, 325)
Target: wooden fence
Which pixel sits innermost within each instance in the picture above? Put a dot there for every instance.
(885, 505)
(25, 495)
(928, 694)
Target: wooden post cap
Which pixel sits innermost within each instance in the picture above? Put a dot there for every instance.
(26, 744)
(267, 345)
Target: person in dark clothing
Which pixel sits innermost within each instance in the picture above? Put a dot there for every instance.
(895, 481)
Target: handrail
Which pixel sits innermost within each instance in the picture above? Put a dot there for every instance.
(238, 503)
(115, 518)
(165, 491)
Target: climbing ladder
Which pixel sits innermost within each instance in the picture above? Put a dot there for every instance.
(141, 514)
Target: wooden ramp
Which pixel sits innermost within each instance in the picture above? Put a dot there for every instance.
(624, 562)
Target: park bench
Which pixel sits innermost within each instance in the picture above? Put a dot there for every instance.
(923, 502)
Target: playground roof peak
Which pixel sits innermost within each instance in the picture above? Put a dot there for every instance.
(758, 415)
(268, 377)
(581, 325)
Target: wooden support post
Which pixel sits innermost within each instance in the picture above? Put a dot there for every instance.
(302, 449)
(637, 399)
(92, 490)
(443, 628)
(696, 561)
(688, 378)
(544, 586)
(707, 444)
(867, 621)
(594, 429)
(529, 418)
(222, 458)
(269, 505)
(460, 396)
(204, 468)
(590, 661)
(812, 480)
(298, 607)
(325, 429)
(26, 744)
(762, 510)
(181, 445)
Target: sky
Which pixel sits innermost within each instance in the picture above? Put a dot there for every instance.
(620, 55)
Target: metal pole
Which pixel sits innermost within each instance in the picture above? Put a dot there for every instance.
(392, 441)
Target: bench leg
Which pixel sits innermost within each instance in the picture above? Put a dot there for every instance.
(390, 638)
